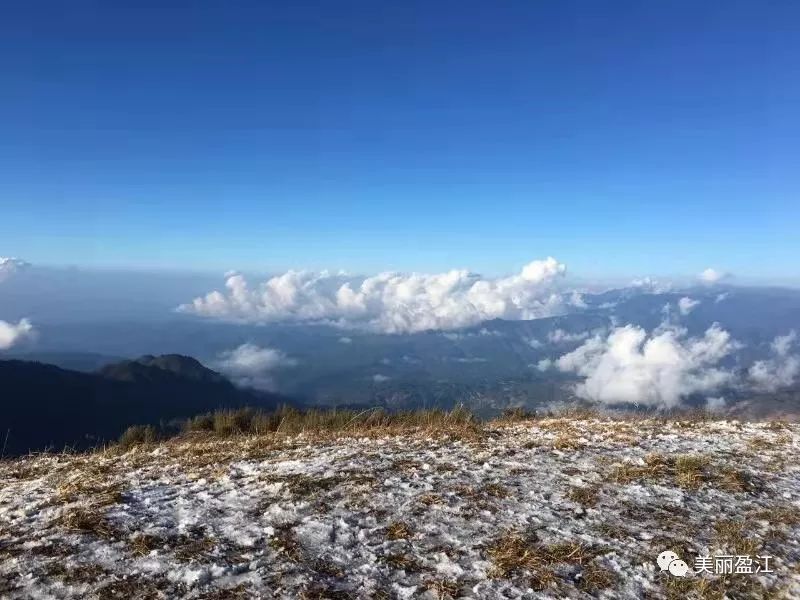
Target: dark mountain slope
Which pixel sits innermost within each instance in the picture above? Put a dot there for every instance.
(43, 406)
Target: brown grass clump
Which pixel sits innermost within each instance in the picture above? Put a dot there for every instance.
(142, 544)
(513, 554)
(86, 520)
(567, 441)
(285, 542)
(628, 473)
(429, 499)
(402, 562)
(689, 470)
(586, 496)
(595, 578)
(495, 490)
(733, 480)
(398, 530)
(443, 588)
(730, 534)
(190, 549)
(137, 435)
(324, 566)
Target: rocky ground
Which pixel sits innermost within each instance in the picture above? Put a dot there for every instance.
(553, 508)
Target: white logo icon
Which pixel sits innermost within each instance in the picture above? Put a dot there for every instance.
(669, 561)
(678, 568)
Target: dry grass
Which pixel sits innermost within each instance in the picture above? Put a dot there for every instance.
(290, 421)
(91, 484)
(398, 530)
(285, 542)
(786, 515)
(192, 549)
(733, 480)
(595, 578)
(137, 435)
(443, 588)
(142, 544)
(494, 490)
(688, 471)
(402, 562)
(85, 520)
(429, 499)
(731, 536)
(514, 553)
(568, 441)
(585, 496)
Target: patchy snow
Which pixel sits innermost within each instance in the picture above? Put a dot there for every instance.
(414, 516)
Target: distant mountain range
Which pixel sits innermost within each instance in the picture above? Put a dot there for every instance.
(45, 406)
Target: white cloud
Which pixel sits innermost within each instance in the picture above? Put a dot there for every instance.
(658, 370)
(10, 266)
(712, 276)
(11, 334)
(345, 340)
(380, 378)
(390, 302)
(576, 300)
(649, 285)
(687, 305)
(781, 369)
(532, 342)
(715, 404)
(721, 297)
(559, 336)
(252, 366)
(544, 365)
(482, 332)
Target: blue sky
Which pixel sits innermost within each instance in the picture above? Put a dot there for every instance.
(623, 138)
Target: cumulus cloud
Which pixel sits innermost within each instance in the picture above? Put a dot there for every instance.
(781, 369)
(345, 340)
(658, 370)
(252, 366)
(687, 305)
(11, 333)
(712, 276)
(378, 378)
(10, 266)
(390, 302)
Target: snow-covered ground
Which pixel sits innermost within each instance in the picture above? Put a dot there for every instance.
(548, 508)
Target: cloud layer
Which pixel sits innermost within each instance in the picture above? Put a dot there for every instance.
(11, 334)
(391, 302)
(781, 369)
(252, 366)
(9, 266)
(657, 370)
